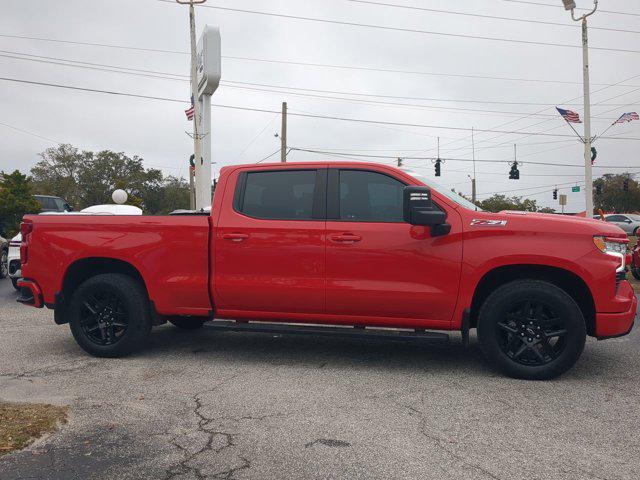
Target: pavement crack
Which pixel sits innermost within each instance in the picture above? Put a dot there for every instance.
(216, 441)
(68, 366)
(440, 443)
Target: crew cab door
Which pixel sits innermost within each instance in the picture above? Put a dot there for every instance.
(378, 265)
(270, 242)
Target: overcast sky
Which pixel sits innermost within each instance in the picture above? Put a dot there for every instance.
(155, 129)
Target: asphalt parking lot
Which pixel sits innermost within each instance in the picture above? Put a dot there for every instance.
(205, 404)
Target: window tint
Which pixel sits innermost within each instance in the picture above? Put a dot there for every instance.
(59, 204)
(370, 197)
(46, 203)
(283, 195)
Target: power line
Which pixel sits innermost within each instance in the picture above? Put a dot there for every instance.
(549, 164)
(491, 17)
(527, 2)
(232, 83)
(315, 65)
(288, 91)
(325, 117)
(407, 30)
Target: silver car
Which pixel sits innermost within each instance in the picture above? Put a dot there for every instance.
(629, 222)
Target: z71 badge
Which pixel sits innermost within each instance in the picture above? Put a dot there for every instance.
(488, 223)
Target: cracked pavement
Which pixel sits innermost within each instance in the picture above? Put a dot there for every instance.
(210, 405)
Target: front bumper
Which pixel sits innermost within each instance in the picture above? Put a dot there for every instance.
(611, 325)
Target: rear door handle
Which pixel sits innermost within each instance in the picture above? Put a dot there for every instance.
(345, 238)
(235, 237)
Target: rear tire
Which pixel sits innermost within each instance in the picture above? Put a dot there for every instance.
(187, 323)
(4, 264)
(531, 329)
(109, 315)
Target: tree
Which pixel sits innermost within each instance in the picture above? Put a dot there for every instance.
(175, 194)
(16, 200)
(497, 203)
(85, 178)
(58, 173)
(613, 197)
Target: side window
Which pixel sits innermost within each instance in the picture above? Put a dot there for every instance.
(59, 204)
(280, 195)
(46, 203)
(615, 218)
(370, 197)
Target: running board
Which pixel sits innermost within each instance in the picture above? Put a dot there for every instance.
(350, 332)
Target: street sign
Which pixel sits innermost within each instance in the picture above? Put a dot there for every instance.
(575, 189)
(562, 200)
(208, 63)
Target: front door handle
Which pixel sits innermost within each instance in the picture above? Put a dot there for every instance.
(345, 238)
(235, 237)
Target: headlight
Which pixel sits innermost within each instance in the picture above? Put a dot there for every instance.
(616, 247)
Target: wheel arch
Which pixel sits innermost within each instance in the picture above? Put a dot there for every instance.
(566, 280)
(85, 268)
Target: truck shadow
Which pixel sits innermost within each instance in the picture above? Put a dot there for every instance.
(314, 351)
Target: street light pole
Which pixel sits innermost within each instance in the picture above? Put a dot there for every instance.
(197, 137)
(588, 170)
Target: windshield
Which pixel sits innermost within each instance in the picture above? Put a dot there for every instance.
(450, 194)
(635, 218)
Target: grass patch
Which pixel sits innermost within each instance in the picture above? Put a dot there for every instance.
(22, 423)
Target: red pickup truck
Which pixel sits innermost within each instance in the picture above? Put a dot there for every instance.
(337, 248)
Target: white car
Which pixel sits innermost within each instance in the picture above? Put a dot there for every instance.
(13, 260)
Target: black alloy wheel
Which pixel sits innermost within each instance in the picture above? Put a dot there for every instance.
(531, 329)
(109, 315)
(103, 317)
(532, 333)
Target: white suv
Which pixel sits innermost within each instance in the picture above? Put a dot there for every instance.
(13, 260)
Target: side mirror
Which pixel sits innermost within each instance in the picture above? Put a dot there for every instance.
(68, 208)
(418, 210)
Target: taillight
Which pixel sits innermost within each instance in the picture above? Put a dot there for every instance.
(25, 229)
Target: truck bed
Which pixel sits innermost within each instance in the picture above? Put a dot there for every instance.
(171, 254)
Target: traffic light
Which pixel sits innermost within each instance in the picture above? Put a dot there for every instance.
(625, 185)
(438, 167)
(555, 194)
(594, 155)
(514, 174)
(399, 162)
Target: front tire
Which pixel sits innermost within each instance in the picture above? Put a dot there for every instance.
(531, 329)
(109, 315)
(14, 282)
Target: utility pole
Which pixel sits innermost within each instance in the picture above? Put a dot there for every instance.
(197, 137)
(588, 170)
(283, 134)
(473, 180)
(192, 185)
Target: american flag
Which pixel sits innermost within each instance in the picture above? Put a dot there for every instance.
(627, 117)
(190, 112)
(569, 116)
